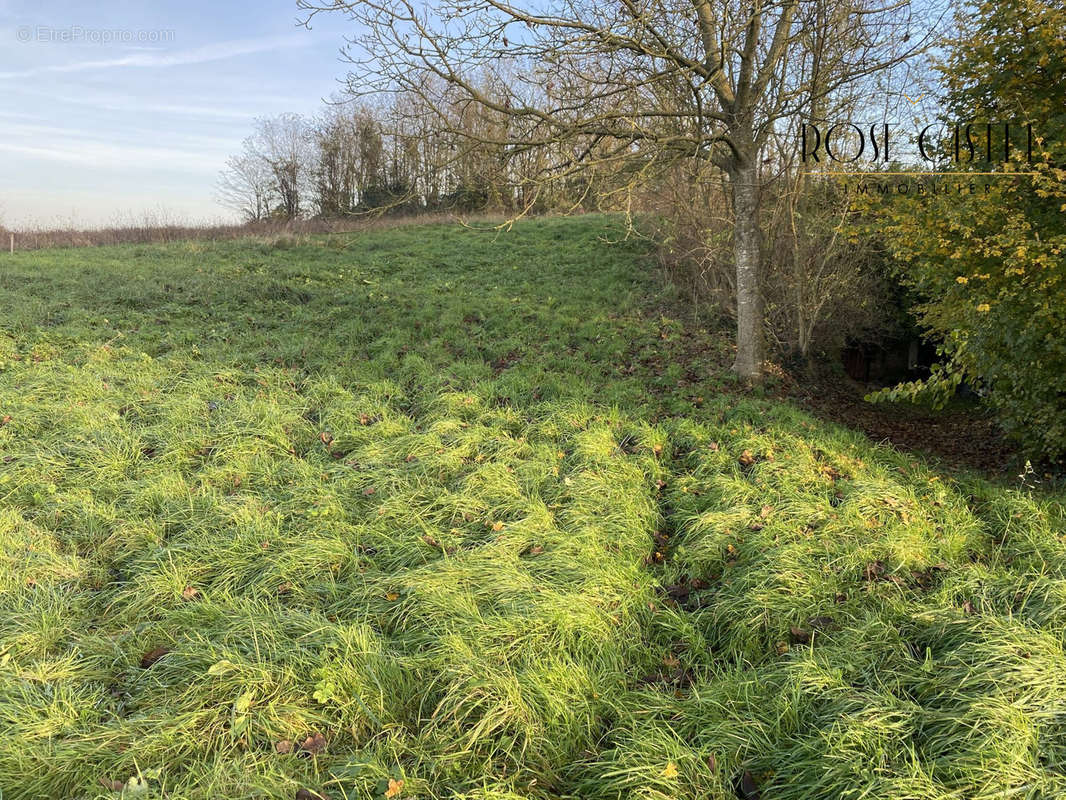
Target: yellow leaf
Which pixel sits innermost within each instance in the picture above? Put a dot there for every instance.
(392, 597)
(670, 771)
(497, 526)
(984, 307)
(395, 787)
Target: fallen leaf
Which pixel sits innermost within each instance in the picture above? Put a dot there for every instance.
(6, 419)
(536, 550)
(497, 526)
(307, 794)
(746, 458)
(153, 656)
(395, 787)
(712, 762)
(874, 570)
(326, 438)
(799, 635)
(368, 491)
(392, 597)
(314, 744)
(670, 771)
(114, 786)
(190, 593)
(284, 747)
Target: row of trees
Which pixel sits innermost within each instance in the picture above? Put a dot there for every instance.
(393, 153)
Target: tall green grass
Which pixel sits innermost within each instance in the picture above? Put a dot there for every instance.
(441, 508)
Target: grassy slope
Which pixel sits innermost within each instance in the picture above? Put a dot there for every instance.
(433, 495)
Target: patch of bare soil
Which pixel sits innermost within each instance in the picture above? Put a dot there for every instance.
(962, 435)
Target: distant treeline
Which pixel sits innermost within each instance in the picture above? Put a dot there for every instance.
(404, 154)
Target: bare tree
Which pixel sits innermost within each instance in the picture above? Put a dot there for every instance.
(245, 185)
(637, 84)
(336, 169)
(283, 144)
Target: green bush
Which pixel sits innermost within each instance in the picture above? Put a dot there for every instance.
(991, 265)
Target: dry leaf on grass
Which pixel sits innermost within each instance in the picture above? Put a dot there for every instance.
(152, 656)
(314, 744)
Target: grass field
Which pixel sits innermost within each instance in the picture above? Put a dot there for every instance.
(427, 513)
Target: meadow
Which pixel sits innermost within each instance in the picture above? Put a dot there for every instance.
(436, 513)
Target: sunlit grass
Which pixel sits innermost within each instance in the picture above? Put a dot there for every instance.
(428, 506)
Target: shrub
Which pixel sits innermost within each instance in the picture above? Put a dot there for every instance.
(821, 289)
(991, 266)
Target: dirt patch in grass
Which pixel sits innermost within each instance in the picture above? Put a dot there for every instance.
(686, 364)
(964, 435)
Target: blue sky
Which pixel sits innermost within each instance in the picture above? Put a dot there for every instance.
(95, 130)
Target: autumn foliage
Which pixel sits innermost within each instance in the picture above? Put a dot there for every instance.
(991, 266)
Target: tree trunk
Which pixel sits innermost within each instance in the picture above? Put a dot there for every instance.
(747, 254)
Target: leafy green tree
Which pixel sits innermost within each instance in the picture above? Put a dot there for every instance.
(991, 265)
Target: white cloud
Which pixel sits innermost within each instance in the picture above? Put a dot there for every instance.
(86, 154)
(218, 51)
